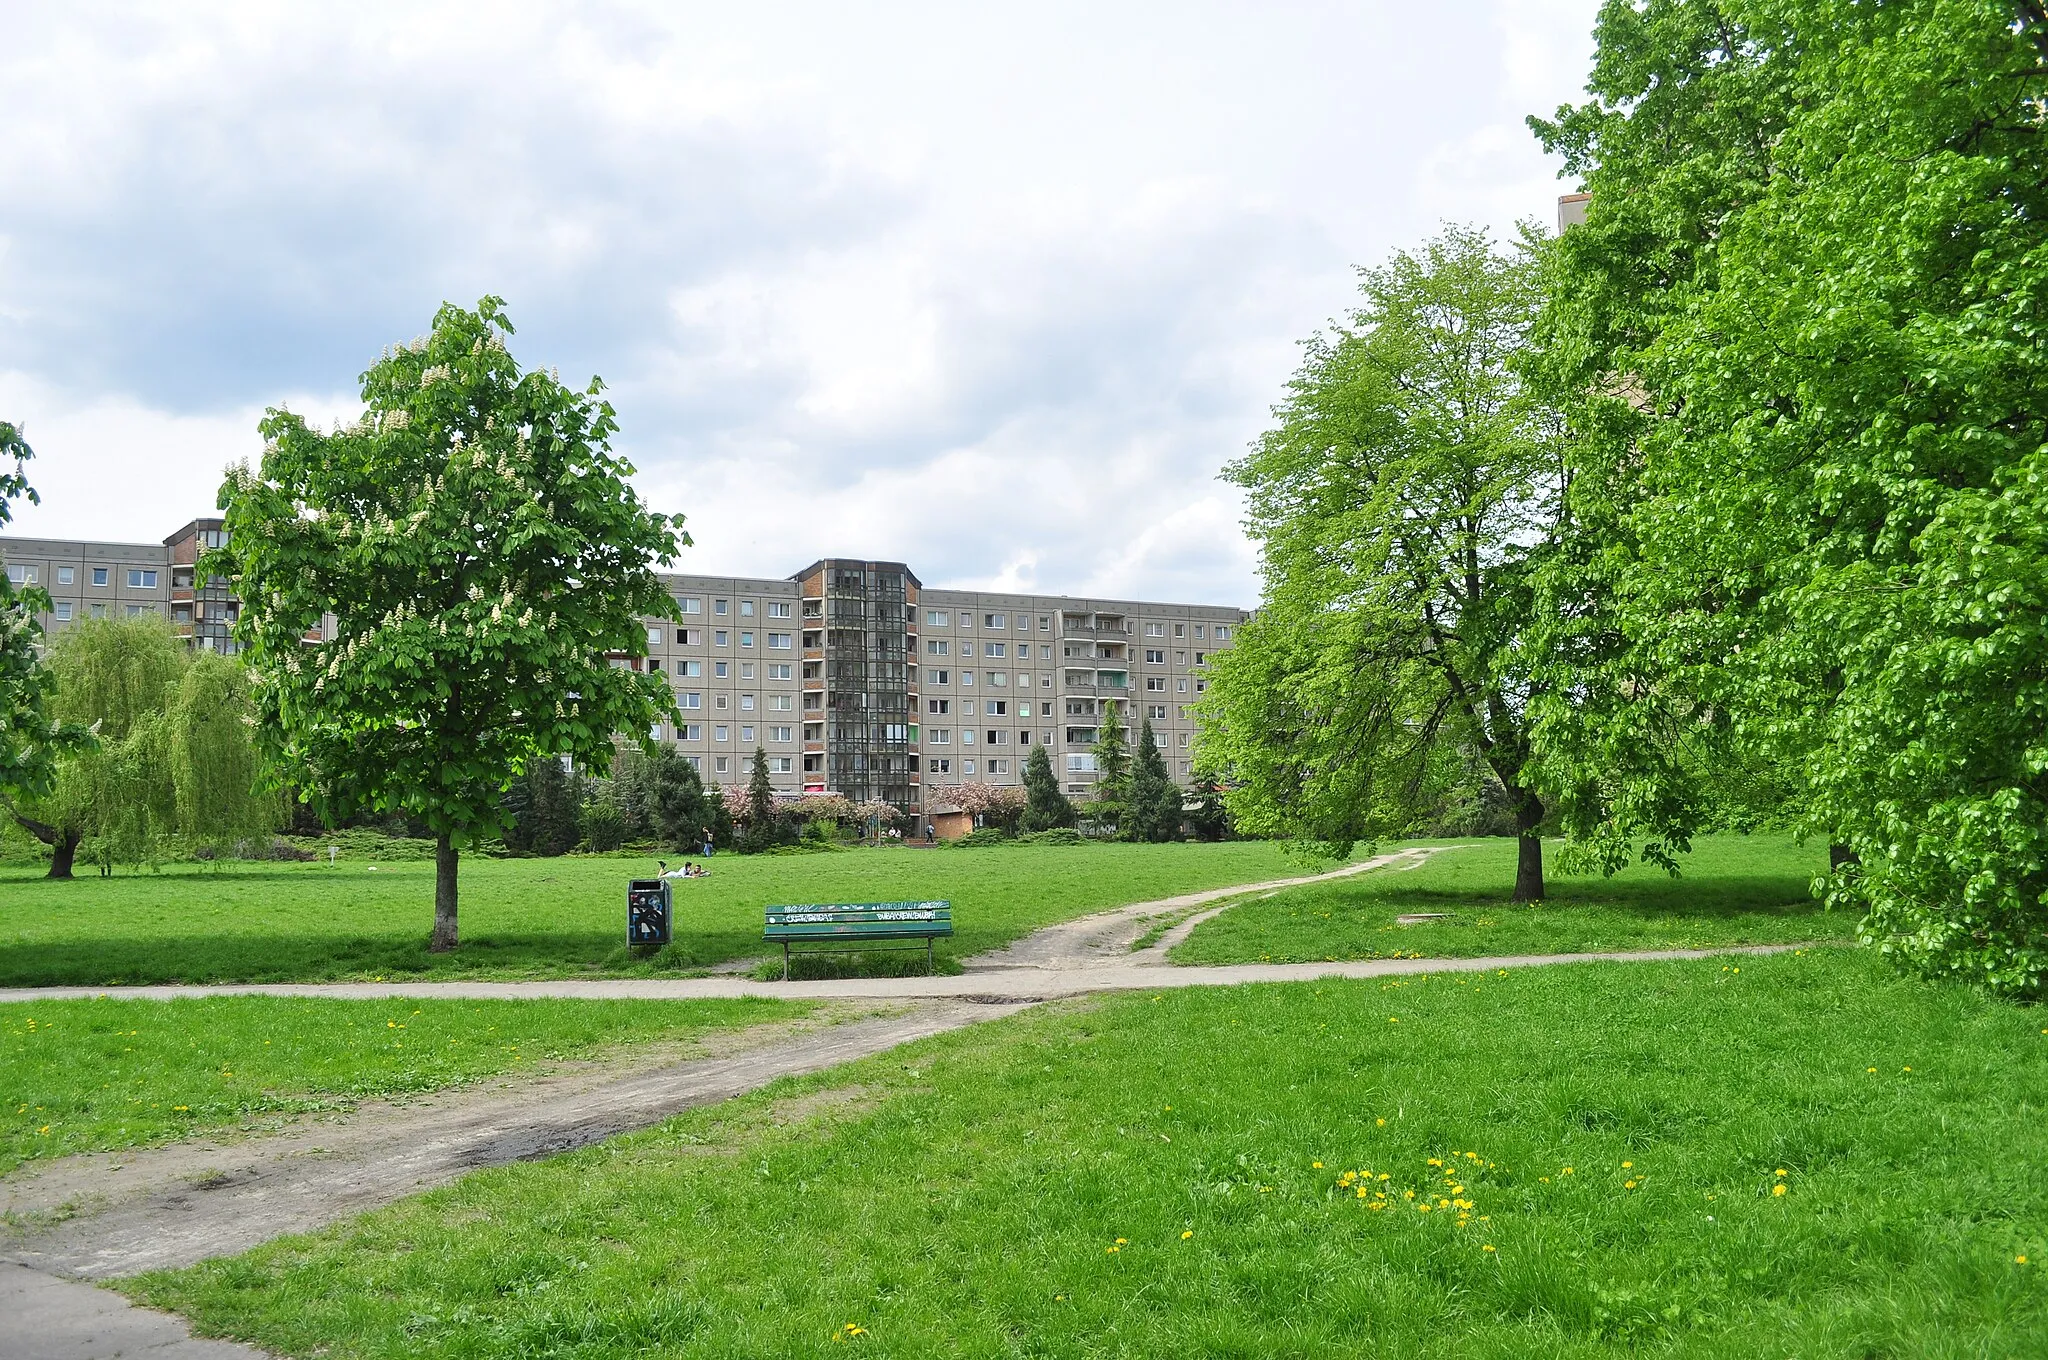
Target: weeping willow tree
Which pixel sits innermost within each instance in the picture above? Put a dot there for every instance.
(173, 760)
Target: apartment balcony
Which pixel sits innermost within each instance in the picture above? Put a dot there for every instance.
(1082, 630)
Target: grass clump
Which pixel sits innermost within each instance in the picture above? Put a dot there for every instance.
(1732, 890)
(1798, 1155)
(88, 1076)
(364, 918)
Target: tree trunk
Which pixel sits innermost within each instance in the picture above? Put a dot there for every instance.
(1841, 857)
(1529, 859)
(444, 895)
(62, 851)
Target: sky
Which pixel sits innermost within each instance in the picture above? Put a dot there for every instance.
(993, 290)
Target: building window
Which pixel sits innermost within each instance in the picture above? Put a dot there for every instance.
(689, 637)
(940, 736)
(937, 765)
(1154, 658)
(1155, 682)
(719, 607)
(720, 638)
(935, 647)
(1198, 630)
(746, 639)
(779, 734)
(696, 763)
(63, 576)
(63, 611)
(967, 677)
(992, 620)
(1184, 740)
(720, 732)
(746, 732)
(993, 649)
(998, 678)
(747, 703)
(691, 700)
(21, 575)
(999, 767)
(746, 609)
(1201, 657)
(690, 669)
(722, 701)
(691, 604)
(99, 611)
(967, 767)
(723, 762)
(653, 666)
(1183, 710)
(139, 579)
(138, 610)
(779, 641)
(997, 738)
(654, 637)
(691, 731)
(779, 702)
(967, 736)
(1201, 685)
(721, 669)
(1045, 682)
(937, 618)
(654, 732)
(779, 765)
(941, 677)
(1180, 630)
(938, 705)
(778, 670)
(1156, 711)
(1080, 762)
(1184, 767)
(746, 670)
(778, 609)
(1155, 630)
(1223, 632)
(996, 708)
(1181, 685)
(1045, 623)
(99, 576)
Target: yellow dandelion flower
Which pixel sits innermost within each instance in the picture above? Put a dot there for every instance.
(1381, 1123)
(1873, 1069)
(1781, 1171)
(1186, 1235)
(1778, 1189)
(1626, 1165)
(1123, 1241)
(1487, 1247)
(1317, 1165)
(1628, 1185)
(2021, 1259)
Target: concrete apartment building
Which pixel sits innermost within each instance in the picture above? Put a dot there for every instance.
(851, 674)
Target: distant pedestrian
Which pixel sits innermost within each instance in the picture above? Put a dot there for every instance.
(705, 836)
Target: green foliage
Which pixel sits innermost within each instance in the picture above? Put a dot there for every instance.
(32, 738)
(481, 550)
(984, 835)
(545, 809)
(676, 802)
(1139, 1176)
(1153, 809)
(1045, 806)
(604, 828)
(1410, 486)
(1113, 770)
(174, 758)
(767, 828)
(1818, 248)
(1208, 820)
(1058, 835)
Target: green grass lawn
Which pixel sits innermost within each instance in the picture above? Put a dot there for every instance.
(550, 917)
(1733, 890)
(86, 1076)
(1796, 1155)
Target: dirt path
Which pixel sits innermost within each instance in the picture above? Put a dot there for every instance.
(107, 1215)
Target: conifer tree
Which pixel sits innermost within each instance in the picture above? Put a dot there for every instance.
(1112, 769)
(1153, 810)
(1045, 807)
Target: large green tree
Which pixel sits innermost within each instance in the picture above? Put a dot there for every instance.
(1409, 487)
(1153, 808)
(1808, 309)
(1045, 806)
(479, 549)
(32, 737)
(1112, 769)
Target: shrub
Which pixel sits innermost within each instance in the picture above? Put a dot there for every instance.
(603, 827)
(1059, 835)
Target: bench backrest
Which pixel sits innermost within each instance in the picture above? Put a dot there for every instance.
(856, 919)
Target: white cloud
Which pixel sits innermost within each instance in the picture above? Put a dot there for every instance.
(992, 291)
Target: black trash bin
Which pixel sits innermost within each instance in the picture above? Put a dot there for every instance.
(648, 911)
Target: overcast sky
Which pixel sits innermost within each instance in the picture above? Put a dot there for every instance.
(993, 290)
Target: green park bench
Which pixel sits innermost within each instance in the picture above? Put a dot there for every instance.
(848, 927)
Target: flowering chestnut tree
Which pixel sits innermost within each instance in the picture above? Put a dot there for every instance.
(479, 550)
